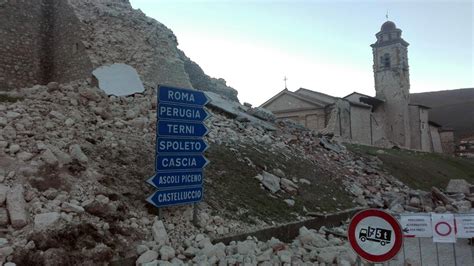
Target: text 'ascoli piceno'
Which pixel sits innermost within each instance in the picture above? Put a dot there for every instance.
(180, 179)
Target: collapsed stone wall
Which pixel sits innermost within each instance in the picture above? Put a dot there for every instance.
(69, 60)
(116, 33)
(40, 44)
(64, 40)
(361, 130)
(21, 43)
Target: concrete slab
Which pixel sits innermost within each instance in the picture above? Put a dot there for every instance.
(235, 109)
(118, 79)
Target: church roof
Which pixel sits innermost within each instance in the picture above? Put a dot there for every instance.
(358, 93)
(388, 26)
(304, 98)
(366, 99)
(389, 34)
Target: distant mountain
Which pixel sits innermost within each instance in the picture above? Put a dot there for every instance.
(451, 108)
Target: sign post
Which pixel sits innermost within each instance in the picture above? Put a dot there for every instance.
(375, 235)
(179, 160)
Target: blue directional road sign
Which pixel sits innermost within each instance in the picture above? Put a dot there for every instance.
(164, 180)
(180, 162)
(180, 129)
(175, 95)
(181, 112)
(176, 196)
(174, 145)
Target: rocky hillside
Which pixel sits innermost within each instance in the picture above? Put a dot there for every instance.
(453, 109)
(73, 165)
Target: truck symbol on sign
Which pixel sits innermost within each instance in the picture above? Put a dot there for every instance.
(383, 236)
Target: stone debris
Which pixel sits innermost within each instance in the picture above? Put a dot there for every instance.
(271, 182)
(76, 153)
(262, 113)
(235, 110)
(326, 144)
(147, 257)
(73, 161)
(44, 221)
(159, 233)
(290, 202)
(3, 193)
(70, 207)
(288, 185)
(16, 206)
(310, 246)
(458, 186)
(4, 221)
(167, 253)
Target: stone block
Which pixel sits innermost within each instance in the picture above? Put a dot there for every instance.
(271, 182)
(3, 217)
(3, 193)
(16, 207)
(44, 221)
(159, 233)
(458, 185)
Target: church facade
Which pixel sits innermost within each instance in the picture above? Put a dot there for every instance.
(386, 120)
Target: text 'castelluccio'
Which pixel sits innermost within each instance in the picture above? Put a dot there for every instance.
(178, 196)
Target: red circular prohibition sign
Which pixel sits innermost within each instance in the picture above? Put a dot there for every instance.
(439, 233)
(388, 218)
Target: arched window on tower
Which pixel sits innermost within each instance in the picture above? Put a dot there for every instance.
(385, 60)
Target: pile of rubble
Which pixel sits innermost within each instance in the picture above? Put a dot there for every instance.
(73, 165)
(309, 247)
(113, 31)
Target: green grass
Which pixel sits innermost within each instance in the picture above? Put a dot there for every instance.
(230, 185)
(420, 170)
(9, 99)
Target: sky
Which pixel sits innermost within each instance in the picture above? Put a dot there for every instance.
(318, 45)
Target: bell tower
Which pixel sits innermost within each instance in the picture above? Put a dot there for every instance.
(392, 82)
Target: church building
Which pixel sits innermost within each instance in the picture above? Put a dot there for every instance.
(386, 120)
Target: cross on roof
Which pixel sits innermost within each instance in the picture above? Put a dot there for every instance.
(285, 79)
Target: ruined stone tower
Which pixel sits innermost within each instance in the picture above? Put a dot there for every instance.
(392, 83)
